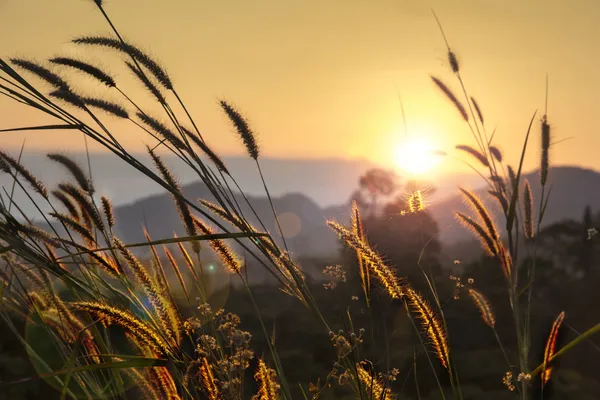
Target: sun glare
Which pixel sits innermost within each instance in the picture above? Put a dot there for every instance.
(416, 156)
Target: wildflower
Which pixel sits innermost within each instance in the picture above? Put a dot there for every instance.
(336, 274)
(457, 262)
(591, 233)
(507, 380)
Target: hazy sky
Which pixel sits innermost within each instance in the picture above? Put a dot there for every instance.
(320, 78)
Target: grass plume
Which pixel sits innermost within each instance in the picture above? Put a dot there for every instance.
(76, 171)
(86, 68)
(550, 347)
(527, 211)
(475, 153)
(450, 95)
(242, 128)
(392, 284)
(140, 56)
(484, 307)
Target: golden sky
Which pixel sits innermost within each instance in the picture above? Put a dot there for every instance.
(320, 78)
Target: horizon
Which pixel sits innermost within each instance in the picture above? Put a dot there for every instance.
(362, 78)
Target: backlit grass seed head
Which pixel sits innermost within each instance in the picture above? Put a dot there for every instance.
(242, 128)
(109, 107)
(74, 225)
(442, 86)
(207, 151)
(152, 88)
(268, 388)
(161, 129)
(528, 211)
(374, 387)
(501, 199)
(69, 97)
(545, 156)
(207, 378)
(141, 57)
(358, 230)
(168, 317)
(484, 307)
(505, 261)
(475, 153)
(108, 264)
(496, 153)
(223, 214)
(86, 206)
(19, 169)
(108, 211)
(86, 68)
(416, 202)
(453, 61)
(227, 256)
(512, 176)
(384, 273)
(127, 321)
(550, 347)
(68, 203)
(76, 171)
(477, 110)
(42, 72)
(488, 244)
(182, 206)
(432, 325)
(482, 212)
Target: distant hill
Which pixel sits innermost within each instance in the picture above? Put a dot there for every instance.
(573, 188)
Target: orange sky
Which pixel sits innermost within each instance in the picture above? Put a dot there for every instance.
(321, 78)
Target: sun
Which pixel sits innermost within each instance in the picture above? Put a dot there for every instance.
(416, 155)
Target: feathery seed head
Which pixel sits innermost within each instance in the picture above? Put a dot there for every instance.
(550, 347)
(480, 209)
(528, 211)
(268, 388)
(545, 158)
(141, 57)
(180, 202)
(152, 88)
(127, 321)
(161, 129)
(484, 307)
(36, 184)
(374, 387)
(88, 209)
(450, 95)
(108, 211)
(106, 106)
(43, 73)
(207, 150)
(488, 244)
(228, 257)
(475, 153)
(82, 180)
(69, 97)
(242, 128)
(68, 203)
(416, 202)
(432, 325)
(384, 273)
(89, 69)
(496, 153)
(478, 110)
(453, 61)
